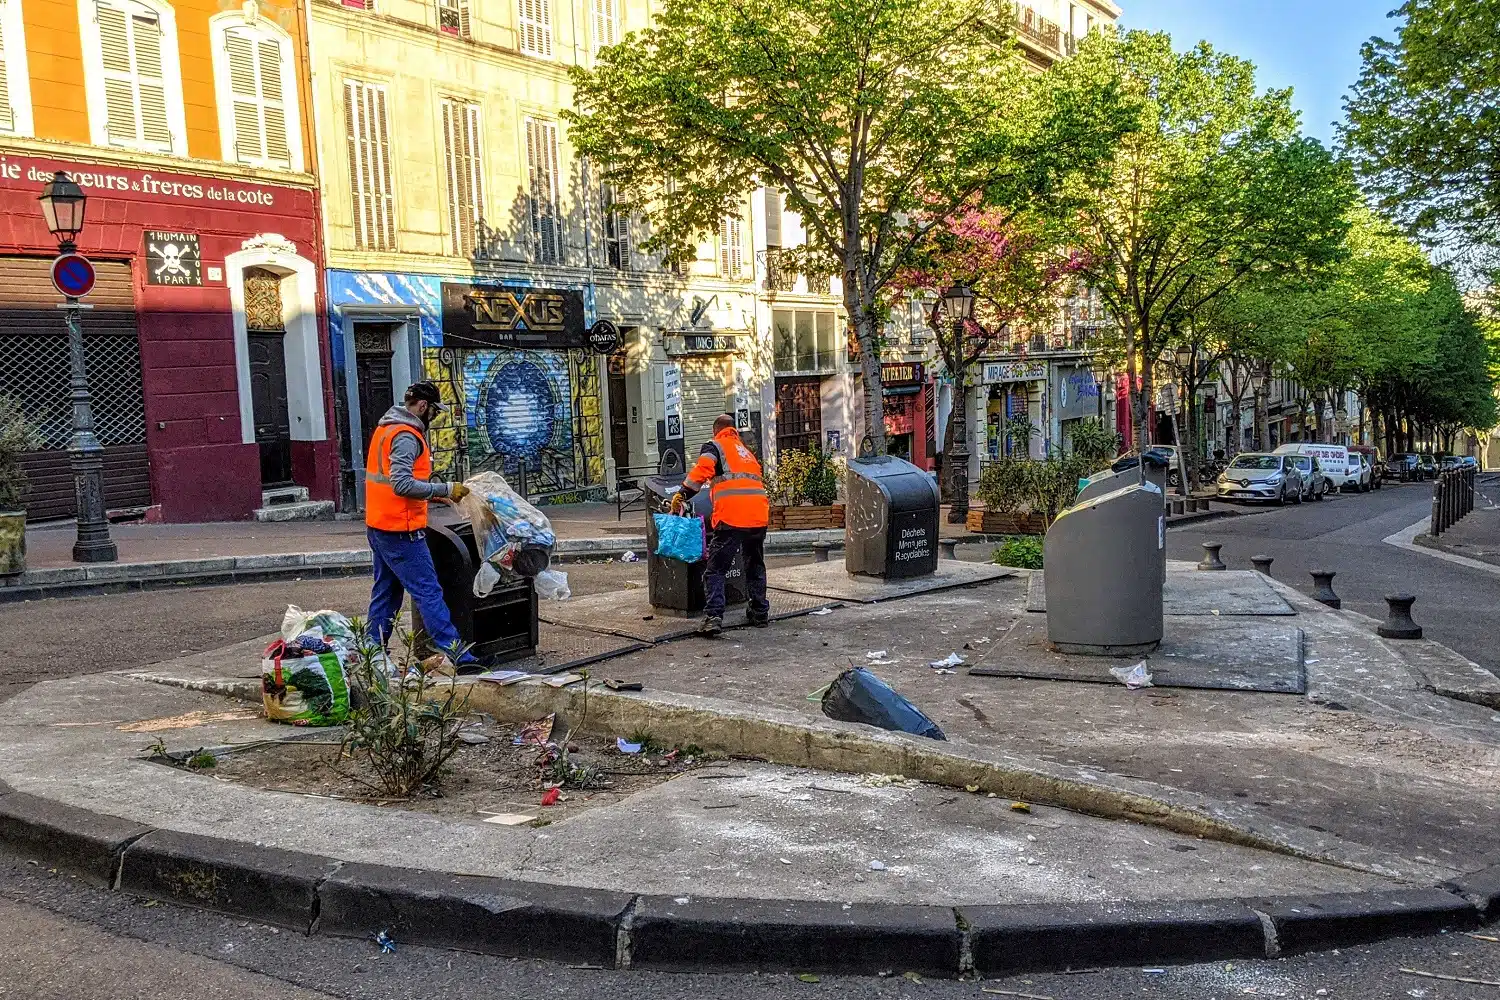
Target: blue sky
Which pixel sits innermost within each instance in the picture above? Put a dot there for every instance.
(1311, 46)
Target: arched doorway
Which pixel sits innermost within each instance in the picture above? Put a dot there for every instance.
(265, 331)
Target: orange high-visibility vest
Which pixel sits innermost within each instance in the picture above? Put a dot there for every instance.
(383, 508)
(736, 487)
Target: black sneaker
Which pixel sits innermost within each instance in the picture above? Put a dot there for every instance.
(711, 627)
(758, 621)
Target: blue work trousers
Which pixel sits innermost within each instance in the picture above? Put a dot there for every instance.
(722, 546)
(403, 564)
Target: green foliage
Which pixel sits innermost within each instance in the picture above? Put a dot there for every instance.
(17, 435)
(1022, 551)
(822, 485)
(1006, 485)
(202, 761)
(405, 727)
(876, 119)
(1094, 443)
(1422, 127)
(1054, 482)
(811, 476)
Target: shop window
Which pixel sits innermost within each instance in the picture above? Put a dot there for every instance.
(535, 28)
(803, 340)
(453, 17)
(15, 81)
(133, 81)
(541, 164)
(257, 93)
(465, 174)
(367, 131)
(606, 23)
(616, 231)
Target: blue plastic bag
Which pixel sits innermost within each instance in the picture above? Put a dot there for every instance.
(859, 696)
(679, 538)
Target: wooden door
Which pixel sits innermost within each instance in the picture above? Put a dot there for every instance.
(619, 418)
(799, 414)
(376, 392)
(273, 425)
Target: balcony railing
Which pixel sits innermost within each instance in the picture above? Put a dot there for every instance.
(781, 270)
(1048, 34)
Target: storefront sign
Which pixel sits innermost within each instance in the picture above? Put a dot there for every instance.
(671, 384)
(173, 258)
(604, 337)
(901, 374)
(1077, 394)
(504, 316)
(1014, 371)
(19, 171)
(709, 343)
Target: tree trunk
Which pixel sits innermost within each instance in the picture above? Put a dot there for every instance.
(958, 459)
(1262, 414)
(1144, 401)
(1319, 427)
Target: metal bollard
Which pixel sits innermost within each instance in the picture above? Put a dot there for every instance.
(1262, 564)
(1398, 623)
(1323, 588)
(1211, 560)
(821, 550)
(947, 548)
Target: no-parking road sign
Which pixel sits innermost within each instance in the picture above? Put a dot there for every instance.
(73, 275)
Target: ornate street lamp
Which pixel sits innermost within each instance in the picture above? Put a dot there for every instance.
(957, 307)
(63, 203)
(1099, 368)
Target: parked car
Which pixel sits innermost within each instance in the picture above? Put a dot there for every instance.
(1334, 459)
(1428, 465)
(1404, 467)
(1370, 475)
(1315, 482)
(1446, 462)
(1468, 461)
(1374, 467)
(1261, 476)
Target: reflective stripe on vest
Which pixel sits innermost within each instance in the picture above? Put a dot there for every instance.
(738, 491)
(384, 508)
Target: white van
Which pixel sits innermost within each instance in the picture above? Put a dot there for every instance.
(1341, 468)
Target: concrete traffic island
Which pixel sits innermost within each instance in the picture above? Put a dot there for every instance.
(1363, 811)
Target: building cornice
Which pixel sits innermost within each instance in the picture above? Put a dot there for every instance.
(137, 160)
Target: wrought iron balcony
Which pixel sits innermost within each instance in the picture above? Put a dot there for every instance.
(1047, 34)
(781, 270)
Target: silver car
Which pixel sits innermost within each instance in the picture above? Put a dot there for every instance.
(1262, 476)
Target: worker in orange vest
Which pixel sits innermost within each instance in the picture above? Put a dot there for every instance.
(741, 513)
(398, 487)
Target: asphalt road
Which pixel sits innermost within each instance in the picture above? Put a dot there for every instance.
(1456, 605)
(61, 940)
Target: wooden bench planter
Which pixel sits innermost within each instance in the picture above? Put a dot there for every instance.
(801, 518)
(986, 522)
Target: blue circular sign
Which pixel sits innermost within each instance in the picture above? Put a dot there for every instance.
(73, 275)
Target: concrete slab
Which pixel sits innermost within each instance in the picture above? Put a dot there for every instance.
(561, 648)
(1231, 654)
(829, 580)
(1190, 592)
(629, 613)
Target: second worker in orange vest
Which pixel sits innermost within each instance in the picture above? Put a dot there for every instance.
(741, 514)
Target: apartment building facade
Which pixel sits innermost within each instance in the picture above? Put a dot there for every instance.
(187, 126)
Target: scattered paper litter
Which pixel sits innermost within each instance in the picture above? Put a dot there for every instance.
(879, 654)
(877, 866)
(563, 680)
(822, 611)
(538, 732)
(949, 661)
(504, 677)
(509, 819)
(630, 557)
(625, 746)
(1132, 677)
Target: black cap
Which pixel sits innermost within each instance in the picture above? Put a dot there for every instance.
(428, 391)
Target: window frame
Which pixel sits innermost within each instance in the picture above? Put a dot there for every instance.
(93, 74)
(540, 27)
(218, 29)
(605, 11)
(619, 245)
(17, 69)
(465, 28)
(360, 237)
(551, 152)
(461, 110)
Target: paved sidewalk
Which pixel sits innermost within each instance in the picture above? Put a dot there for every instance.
(1477, 535)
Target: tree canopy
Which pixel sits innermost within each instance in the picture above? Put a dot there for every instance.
(870, 116)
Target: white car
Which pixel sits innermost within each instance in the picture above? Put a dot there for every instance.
(1341, 469)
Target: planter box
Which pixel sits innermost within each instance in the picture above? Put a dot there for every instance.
(12, 542)
(801, 518)
(986, 522)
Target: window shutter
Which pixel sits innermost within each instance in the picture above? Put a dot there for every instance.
(474, 171)
(604, 23)
(7, 113)
(385, 195)
(731, 250)
(724, 246)
(465, 174)
(119, 88)
(616, 232)
(541, 162)
(773, 218)
(536, 27)
(273, 103)
(145, 33)
(249, 140)
(451, 162)
(367, 133)
(465, 27)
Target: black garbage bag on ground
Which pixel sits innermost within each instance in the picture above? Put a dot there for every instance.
(857, 695)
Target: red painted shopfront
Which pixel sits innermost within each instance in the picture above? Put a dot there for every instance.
(207, 338)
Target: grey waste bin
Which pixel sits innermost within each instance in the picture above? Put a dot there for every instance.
(500, 626)
(673, 586)
(890, 519)
(1105, 573)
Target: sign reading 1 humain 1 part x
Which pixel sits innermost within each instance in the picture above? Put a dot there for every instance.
(173, 258)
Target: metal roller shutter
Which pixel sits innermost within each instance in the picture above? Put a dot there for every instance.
(706, 387)
(34, 372)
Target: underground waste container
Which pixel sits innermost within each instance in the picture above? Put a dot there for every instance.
(890, 519)
(1109, 480)
(499, 626)
(1105, 573)
(673, 586)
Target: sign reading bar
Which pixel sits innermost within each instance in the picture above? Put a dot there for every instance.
(604, 337)
(506, 316)
(173, 258)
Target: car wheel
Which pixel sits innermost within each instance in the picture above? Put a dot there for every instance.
(1298, 498)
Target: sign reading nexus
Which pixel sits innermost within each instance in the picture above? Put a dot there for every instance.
(505, 316)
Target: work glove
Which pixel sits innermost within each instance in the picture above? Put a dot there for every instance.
(679, 503)
(457, 491)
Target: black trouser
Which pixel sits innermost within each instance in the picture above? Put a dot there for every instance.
(722, 546)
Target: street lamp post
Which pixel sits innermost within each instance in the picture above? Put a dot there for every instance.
(63, 204)
(1100, 370)
(957, 306)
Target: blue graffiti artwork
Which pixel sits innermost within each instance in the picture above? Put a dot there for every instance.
(519, 410)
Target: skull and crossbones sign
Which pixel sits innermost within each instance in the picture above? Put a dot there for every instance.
(172, 262)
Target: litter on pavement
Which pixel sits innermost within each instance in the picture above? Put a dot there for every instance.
(509, 819)
(625, 746)
(1132, 677)
(538, 732)
(504, 677)
(857, 695)
(947, 663)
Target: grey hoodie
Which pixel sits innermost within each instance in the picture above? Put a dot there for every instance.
(404, 452)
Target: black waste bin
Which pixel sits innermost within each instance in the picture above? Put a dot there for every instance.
(498, 627)
(890, 519)
(671, 585)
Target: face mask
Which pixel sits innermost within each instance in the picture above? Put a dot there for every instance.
(426, 416)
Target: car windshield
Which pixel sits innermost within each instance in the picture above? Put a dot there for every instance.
(1257, 462)
(1302, 463)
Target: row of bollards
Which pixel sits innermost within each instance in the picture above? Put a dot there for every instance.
(1397, 625)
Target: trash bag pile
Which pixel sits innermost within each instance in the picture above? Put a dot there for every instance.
(303, 674)
(514, 538)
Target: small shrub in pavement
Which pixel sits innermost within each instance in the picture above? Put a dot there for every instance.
(1023, 552)
(404, 726)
